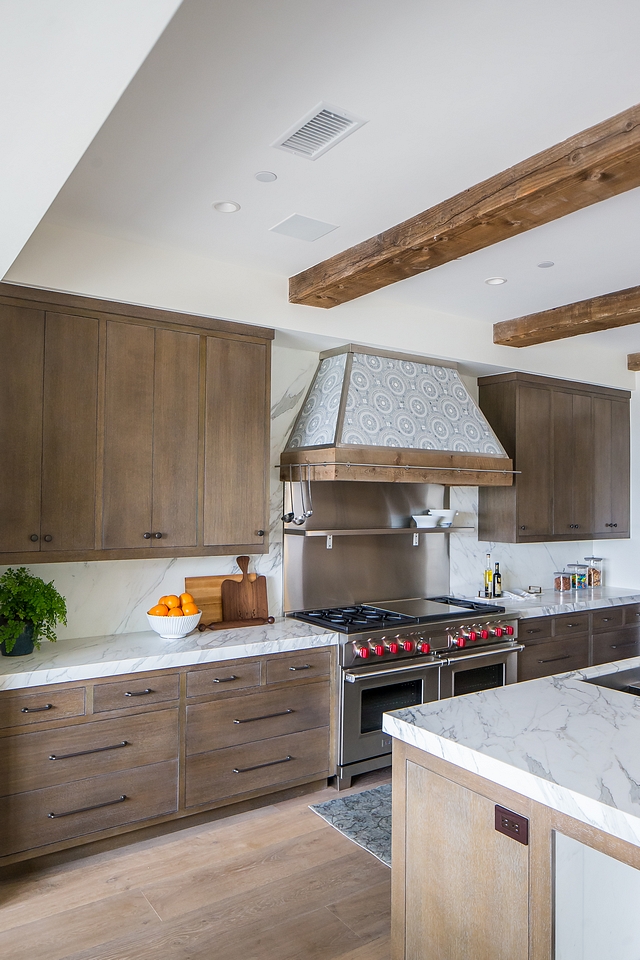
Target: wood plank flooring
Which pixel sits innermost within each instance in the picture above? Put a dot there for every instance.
(276, 883)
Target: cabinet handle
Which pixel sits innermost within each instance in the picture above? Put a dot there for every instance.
(47, 706)
(259, 766)
(535, 630)
(260, 533)
(605, 619)
(619, 646)
(84, 753)
(138, 693)
(48, 538)
(566, 656)
(573, 624)
(267, 716)
(224, 679)
(523, 527)
(305, 666)
(96, 806)
(157, 536)
(34, 537)
(611, 524)
(147, 536)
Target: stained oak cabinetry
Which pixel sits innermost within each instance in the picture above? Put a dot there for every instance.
(570, 445)
(81, 761)
(129, 432)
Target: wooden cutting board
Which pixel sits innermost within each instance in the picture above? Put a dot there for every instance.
(245, 599)
(207, 593)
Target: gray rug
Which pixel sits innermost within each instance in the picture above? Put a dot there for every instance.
(364, 818)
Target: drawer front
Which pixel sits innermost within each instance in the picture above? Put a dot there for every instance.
(259, 716)
(617, 645)
(555, 656)
(148, 792)
(86, 750)
(133, 693)
(632, 613)
(608, 618)
(254, 766)
(536, 628)
(571, 623)
(227, 676)
(17, 709)
(309, 663)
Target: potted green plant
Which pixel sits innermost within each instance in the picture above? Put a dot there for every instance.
(29, 612)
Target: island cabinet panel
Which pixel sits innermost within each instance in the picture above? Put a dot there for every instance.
(570, 445)
(129, 436)
(478, 908)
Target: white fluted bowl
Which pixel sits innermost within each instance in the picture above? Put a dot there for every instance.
(174, 628)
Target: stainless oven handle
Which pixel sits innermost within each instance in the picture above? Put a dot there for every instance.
(491, 651)
(392, 671)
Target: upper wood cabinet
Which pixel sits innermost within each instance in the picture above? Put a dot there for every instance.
(127, 436)
(570, 443)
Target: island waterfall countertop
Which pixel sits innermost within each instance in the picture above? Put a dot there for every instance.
(567, 744)
(91, 657)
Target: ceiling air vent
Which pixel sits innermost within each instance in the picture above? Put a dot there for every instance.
(318, 131)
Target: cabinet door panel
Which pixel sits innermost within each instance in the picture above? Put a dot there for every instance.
(582, 467)
(617, 645)
(21, 361)
(620, 456)
(236, 440)
(611, 465)
(534, 460)
(69, 433)
(555, 656)
(175, 438)
(128, 436)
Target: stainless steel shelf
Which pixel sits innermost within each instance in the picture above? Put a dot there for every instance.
(374, 531)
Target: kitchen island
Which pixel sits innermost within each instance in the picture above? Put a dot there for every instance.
(505, 796)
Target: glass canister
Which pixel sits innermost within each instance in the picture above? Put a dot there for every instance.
(578, 575)
(594, 571)
(562, 581)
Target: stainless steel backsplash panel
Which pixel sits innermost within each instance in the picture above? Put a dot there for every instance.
(364, 568)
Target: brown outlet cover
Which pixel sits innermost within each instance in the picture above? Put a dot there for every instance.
(512, 825)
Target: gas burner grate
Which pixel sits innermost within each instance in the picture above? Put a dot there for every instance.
(353, 619)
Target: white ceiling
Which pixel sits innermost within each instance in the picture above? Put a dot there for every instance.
(453, 92)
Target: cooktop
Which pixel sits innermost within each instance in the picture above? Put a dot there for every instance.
(356, 618)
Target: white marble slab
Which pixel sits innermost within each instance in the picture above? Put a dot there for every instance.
(549, 603)
(82, 659)
(567, 744)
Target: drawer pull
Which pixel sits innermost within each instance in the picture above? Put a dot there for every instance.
(84, 753)
(96, 806)
(224, 679)
(267, 716)
(47, 706)
(573, 624)
(535, 630)
(566, 656)
(619, 646)
(259, 766)
(138, 693)
(605, 619)
(305, 666)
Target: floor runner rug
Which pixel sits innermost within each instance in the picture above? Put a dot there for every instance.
(364, 818)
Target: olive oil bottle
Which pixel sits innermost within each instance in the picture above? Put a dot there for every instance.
(488, 577)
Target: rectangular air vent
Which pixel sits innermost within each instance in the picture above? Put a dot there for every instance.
(318, 131)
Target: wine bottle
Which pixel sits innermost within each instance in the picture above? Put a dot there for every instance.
(488, 577)
(497, 581)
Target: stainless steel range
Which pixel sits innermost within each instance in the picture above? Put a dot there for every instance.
(404, 652)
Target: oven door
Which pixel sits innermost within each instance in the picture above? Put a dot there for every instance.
(480, 670)
(368, 692)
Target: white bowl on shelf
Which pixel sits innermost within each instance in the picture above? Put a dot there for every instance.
(444, 518)
(425, 520)
(174, 628)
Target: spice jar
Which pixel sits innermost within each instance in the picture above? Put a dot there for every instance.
(562, 581)
(578, 575)
(594, 571)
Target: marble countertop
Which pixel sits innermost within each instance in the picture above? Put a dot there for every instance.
(570, 745)
(122, 653)
(549, 603)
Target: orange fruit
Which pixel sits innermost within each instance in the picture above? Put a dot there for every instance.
(175, 612)
(163, 600)
(172, 600)
(160, 610)
(184, 599)
(189, 609)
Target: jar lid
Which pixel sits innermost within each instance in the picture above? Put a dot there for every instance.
(578, 566)
(594, 559)
(561, 573)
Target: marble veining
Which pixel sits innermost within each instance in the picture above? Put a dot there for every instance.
(88, 657)
(567, 744)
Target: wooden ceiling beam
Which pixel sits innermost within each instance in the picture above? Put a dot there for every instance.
(593, 165)
(618, 309)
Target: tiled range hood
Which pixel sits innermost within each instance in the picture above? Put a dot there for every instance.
(379, 416)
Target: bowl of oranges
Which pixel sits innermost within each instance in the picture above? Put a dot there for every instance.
(174, 617)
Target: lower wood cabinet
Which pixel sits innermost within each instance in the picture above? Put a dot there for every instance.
(81, 761)
(553, 656)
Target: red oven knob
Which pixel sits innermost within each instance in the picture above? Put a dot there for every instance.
(407, 645)
(508, 631)
(484, 634)
(378, 650)
(424, 647)
(498, 632)
(460, 642)
(393, 647)
(473, 636)
(363, 652)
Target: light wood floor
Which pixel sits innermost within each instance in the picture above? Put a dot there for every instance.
(272, 884)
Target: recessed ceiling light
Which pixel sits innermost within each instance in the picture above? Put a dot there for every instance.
(546, 263)
(265, 176)
(226, 206)
(494, 281)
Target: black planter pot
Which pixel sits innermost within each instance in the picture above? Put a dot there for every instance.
(23, 646)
